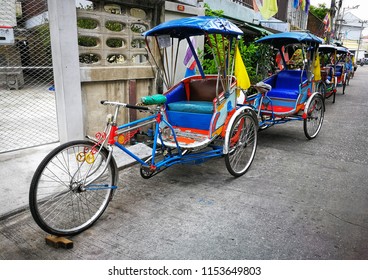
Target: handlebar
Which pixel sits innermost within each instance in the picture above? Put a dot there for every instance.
(262, 87)
(114, 103)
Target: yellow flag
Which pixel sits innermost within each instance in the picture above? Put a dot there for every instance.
(269, 8)
(241, 74)
(303, 5)
(317, 69)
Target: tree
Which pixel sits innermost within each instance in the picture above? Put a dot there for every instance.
(320, 11)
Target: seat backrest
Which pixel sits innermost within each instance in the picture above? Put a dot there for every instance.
(339, 67)
(271, 80)
(203, 89)
(290, 79)
(176, 93)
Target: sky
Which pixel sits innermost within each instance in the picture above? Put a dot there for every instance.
(361, 12)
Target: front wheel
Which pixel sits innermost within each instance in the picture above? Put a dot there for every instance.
(72, 187)
(314, 117)
(241, 144)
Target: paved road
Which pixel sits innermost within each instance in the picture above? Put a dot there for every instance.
(300, 200)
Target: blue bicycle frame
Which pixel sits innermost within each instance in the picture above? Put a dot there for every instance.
(170, 157)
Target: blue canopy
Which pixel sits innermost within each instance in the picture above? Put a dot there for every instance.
(282, 39)
(342, 50)
(192, 26)
(327, 48)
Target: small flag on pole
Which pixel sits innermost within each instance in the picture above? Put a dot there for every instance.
(189, 60)
(317, 69)
(240, 71)
(326, 22)
(296, 4)
(269, 8)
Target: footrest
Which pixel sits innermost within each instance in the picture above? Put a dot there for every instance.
(188, 138)
(280, 109)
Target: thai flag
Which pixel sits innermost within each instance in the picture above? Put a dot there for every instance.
(326, 22)
(189, 60)
(296, 4)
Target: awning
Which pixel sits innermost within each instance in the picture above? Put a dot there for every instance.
(259, 28)
(254, 29)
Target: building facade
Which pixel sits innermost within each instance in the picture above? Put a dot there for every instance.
(98, 52)
(349, 33)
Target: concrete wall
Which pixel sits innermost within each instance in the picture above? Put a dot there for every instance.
(127, 81)
(8, 13)
(234, 10)
(118, 90)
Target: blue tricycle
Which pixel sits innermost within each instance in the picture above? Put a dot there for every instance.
(291, 93)
(196, 119)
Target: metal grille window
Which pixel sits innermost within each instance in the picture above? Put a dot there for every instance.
(248, 3)
(110, 35)
(27, 96)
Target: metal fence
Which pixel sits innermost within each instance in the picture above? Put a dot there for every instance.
(27, 96)
(248, 3)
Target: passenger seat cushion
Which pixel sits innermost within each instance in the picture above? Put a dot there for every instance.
(287, 84)
(339, 69)
(283, 93)
(203, 107)
(290, 79)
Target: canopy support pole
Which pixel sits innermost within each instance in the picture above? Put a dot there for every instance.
(196, 58)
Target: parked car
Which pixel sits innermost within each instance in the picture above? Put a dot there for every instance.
(363, 61)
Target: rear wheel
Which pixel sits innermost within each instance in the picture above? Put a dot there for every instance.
(314, 118)
(72, 187)
(241, 144)
(322, 89)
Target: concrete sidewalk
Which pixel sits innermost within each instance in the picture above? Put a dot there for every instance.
(17, 169)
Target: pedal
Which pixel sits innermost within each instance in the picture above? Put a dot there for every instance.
(148, 169)
(59, 242)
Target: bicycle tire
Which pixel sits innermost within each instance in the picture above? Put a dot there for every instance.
(59, 201)
(315, 114)
(242, 144)
(322, 89)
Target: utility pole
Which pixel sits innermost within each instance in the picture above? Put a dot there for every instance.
(332, 15)
(360, 38)
(341, 21)
(335, 30)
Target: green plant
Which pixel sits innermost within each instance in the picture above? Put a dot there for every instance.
(319, 11)
(257, 58)
(215, 13)
(87, 23)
